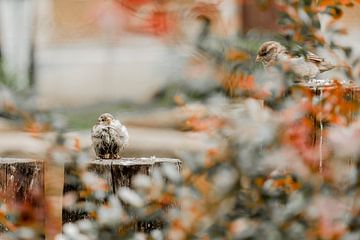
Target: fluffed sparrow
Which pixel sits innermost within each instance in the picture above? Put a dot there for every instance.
(109, 137)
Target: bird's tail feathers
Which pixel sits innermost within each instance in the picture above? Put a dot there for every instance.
(345, 66)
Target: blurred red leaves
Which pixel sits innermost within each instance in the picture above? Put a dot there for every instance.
(236, 55)
(166, 200)
(148, 17)
(212, 157)
(337, 2)
(300, 136)
(287, 183)
(35, 128)
(328, 213)
(239, 81)
(302, 21)
(337, 105)
(77, 144)
(160, 22)
(134, 3)
(205, 9)
(329, 229)
(9, 225)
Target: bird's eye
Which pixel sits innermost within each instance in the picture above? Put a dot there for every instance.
(263, 53)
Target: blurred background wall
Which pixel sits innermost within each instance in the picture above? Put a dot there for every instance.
(84, 52)
(95, 51)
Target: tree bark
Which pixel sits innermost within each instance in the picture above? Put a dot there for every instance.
(119, 173)
(22, 189)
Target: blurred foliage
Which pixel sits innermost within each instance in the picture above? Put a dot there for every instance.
(284, 161)
(5, 80)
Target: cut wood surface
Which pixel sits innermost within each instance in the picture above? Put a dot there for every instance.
(119, 172)
(123, 170)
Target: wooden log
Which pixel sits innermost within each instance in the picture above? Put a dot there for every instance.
(2, 178)
(102, 169)
(349, 91)
(22, 184)
(119, 173)
(124, 170)
(72, 185)
(350, 94)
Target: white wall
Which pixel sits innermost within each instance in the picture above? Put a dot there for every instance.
(16, 28)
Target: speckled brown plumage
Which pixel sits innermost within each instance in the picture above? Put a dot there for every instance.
(109, 137)
(273, 53)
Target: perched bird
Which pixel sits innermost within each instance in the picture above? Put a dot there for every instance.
(273, 53)
(109, 137)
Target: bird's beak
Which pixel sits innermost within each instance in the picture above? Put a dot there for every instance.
(258, 59)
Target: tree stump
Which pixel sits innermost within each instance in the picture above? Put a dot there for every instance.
(22, 190)
(22, 184)
(347, 93)
(118, 173)
(350, 94)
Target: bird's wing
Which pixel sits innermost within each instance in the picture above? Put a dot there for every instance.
(303, 68)
(121, 134)
(320, 62)
(95, 133)
(120, 129)
(312, 57)
(124, 132)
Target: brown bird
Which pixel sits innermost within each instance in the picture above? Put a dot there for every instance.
(109, 137)
(273, 53)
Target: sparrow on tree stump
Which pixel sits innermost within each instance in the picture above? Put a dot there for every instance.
(273, 53)
(109, 137)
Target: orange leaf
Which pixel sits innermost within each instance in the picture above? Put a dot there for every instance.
(77, 144)
(202, 184)
(235, 55)
(179, 100)
(327, 2)
(160, 22)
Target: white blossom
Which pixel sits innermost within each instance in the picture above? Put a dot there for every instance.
(111, 214)
(171, 172)
(131, 197)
